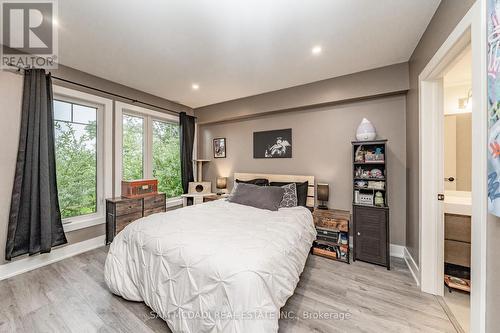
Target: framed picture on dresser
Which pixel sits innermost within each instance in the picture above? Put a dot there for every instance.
(220, 148)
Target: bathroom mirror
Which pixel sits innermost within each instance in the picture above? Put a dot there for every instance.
(458, 151)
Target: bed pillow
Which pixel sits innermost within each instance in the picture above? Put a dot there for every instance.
(290, 196)
(263, 197)
(256, 181)
(301, 191)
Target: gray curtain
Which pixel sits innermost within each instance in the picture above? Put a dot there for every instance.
(35, 219)
(186, 124)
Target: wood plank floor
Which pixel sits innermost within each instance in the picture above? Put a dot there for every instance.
(71, 296)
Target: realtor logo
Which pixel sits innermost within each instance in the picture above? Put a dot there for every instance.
(29, 37)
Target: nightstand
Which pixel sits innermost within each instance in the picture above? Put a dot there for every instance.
(197, 198)
(214, 197)
(332, 226)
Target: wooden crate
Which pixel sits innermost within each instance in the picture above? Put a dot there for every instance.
(324, 253)
(139, 188)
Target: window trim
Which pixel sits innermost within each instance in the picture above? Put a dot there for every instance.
(148, 116)
(104, 154)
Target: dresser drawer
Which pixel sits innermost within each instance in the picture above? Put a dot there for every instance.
(457, 227)
(124, 220)
(332, 223)
(154, 201)
(332, 219)
(457, 253)
(128, 207)
(155, 210)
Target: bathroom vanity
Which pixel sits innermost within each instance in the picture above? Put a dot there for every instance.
(457, 236)
(457, 239)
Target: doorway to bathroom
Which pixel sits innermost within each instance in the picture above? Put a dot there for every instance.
(468, 36)
(457, 185)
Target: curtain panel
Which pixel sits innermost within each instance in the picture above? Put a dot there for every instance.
(187, 129)
(35, 224)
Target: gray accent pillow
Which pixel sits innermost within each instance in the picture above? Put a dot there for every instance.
(263, 197)
(301, 191)
(290, 196)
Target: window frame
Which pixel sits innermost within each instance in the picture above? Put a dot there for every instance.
(149, 116)
(104, 169)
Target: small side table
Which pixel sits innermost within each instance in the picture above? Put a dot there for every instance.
(215, 197)
(198, 198)
(332, 241)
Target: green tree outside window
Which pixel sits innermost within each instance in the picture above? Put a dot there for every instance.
(76, 162)
(166, 158)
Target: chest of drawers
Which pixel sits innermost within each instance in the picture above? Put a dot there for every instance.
(120, 212)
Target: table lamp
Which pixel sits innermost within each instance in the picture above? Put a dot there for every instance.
(323, 191)
(221, 185)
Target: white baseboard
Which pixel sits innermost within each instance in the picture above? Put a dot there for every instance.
(400, 251)
(412, 266)
(396, 250)
(27, 264)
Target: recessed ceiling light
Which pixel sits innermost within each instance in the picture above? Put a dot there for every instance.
(195, 86)
(316, 50)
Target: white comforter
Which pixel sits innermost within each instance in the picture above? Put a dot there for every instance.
(215, 267)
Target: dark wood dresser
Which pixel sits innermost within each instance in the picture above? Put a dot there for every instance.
(120, 212)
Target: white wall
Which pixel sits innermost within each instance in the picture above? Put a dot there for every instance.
(11, 89)
(451, 96)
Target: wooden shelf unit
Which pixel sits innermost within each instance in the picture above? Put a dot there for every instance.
(333, 222)
(370, 221)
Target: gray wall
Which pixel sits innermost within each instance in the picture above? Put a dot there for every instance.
(10, 105)
(447, 16)
(321, 147)
(375, 82)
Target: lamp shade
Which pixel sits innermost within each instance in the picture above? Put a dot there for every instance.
(323, 191)
(221, 182)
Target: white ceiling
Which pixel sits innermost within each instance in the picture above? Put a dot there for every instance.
(235, 48)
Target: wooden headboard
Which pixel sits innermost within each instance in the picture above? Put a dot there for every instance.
(283, 178)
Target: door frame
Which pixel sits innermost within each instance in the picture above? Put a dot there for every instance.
(470, 30)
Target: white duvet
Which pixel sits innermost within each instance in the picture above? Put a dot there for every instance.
(214, 267)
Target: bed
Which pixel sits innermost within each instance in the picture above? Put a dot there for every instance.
(214, 267)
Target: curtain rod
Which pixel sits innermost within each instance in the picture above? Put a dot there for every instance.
(19, 68)
(116, 95)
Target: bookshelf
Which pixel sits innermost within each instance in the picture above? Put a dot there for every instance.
(370, 202)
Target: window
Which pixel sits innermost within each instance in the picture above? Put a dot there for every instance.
(83, 131)
(150, 148)
(166, 158)
(133, 147)
(76, 157)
